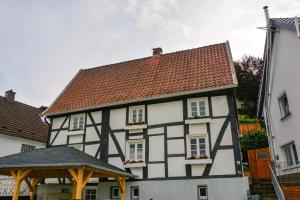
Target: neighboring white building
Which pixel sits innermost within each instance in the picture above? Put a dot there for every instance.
(169, 118)
(280, 92)
(21, 129)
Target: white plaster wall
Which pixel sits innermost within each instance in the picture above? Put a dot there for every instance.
(156, 148)
(138, 172)
(215, 127)
(176, 166)
(223, 163)
(91, 134)
(176, 146)
(175, 131)
(116, 162)
(57, 122)
(165, 112)
(75, 139)
(219, 106)
(61, 137)
(218, 189)
(118, 118)
(227, 138)
(91, 149)
(156, 170)
(112, 149)
(11, 145)
(197, 129)
(197, 170)
(97, 116)
(153, 131)
(285, 63)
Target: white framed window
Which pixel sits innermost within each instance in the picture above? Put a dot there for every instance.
(198, 146)
(136, 150)
(202, 192)
(114, 192)
(78, 122)
(27, 147)
(290, 153)
(198, 107)
(135, 193)
(90, 193)
(136, 114)
(284, 105)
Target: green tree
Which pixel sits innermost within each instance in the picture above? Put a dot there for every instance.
(248, 71)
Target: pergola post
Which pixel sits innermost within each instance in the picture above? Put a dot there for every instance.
(122, 187)
(80, 180)
(18, 176)
(32, 187)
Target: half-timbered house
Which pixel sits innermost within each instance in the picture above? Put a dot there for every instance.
(169, 119)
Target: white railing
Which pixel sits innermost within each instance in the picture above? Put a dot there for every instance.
(276, 185)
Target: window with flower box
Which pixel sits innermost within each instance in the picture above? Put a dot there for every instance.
(136, 115)
(135, 153)
(198, 149)
(78, 122)
(198, 107)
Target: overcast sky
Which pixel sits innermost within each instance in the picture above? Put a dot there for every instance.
(44, 43)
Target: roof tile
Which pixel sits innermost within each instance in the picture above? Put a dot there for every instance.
(159, 75)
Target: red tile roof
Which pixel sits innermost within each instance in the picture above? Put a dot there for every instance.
(193, 70)
(21, 120)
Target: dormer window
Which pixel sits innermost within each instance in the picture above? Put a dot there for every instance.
(78, 122)
(137, 114)
(198, 107)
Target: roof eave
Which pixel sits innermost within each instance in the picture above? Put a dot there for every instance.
(233, 85)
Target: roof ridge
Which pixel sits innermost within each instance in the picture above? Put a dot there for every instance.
(24, 104)
(164, 54)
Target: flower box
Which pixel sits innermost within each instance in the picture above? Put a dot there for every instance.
(198, 161)
(134, 164)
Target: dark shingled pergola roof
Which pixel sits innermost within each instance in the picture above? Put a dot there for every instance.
(56, 157)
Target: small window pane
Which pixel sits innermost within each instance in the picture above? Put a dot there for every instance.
(114, 192)
(202, 108)
(194, 109)
(288, 156)
(135, 192)
(140, 115)
(140, 151)
(203, 192)
(193, 141)
(134, 116)
(295, 154)
(81, 122)
(132, 152)
(75, 123)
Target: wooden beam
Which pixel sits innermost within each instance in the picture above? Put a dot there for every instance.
(86, 179)
(33, 184)
(16, 189)
(73, 173)
(79, 183)
(28, 184)
(122, 187)
(18, 175)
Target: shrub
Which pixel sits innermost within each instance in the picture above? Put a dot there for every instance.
(254, 140)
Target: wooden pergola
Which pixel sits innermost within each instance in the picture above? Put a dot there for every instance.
(59, 162)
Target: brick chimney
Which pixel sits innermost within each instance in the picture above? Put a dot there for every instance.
(10, 96)
(157, 51)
